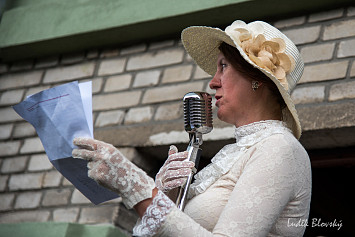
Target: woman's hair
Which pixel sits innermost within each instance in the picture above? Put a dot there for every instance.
(246, 69)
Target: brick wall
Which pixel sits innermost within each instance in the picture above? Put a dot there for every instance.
(137, 105)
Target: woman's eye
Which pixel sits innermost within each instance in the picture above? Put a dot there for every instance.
(223, 66)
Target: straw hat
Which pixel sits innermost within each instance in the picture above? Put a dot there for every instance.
(261, 45)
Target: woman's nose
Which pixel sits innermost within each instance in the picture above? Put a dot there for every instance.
(215, 82)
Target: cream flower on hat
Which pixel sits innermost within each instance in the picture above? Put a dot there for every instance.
(240, 31)
(267, 54)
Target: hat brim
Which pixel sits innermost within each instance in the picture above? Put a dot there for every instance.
(202, 43)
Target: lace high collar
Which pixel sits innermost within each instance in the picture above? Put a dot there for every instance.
(252, 133)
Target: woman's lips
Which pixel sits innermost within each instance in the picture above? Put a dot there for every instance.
(217, 99)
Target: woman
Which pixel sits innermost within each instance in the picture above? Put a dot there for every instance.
(258, 186)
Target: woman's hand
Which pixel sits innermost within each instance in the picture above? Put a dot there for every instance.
(111, 169)
(175, 170)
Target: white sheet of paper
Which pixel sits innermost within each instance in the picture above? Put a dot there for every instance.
(86, 98)
(60, 114)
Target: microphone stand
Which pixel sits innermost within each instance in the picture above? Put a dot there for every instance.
(194, 153)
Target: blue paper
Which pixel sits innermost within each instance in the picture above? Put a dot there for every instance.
(59, 115)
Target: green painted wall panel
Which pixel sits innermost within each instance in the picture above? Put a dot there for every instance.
(58, 229)
(52, 19)
(35, 28)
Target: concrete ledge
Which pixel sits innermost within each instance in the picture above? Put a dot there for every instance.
(159, 134)
(339, 114)
(328, 125)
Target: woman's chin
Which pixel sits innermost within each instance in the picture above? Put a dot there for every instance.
(221, 116)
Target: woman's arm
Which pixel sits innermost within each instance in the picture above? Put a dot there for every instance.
(142, 206)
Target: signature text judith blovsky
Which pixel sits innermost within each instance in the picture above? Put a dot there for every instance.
(315, 222)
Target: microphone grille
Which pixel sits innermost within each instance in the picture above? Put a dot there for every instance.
(198, 112)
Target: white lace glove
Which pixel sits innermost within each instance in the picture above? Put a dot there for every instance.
(109, 168)
(175, 170)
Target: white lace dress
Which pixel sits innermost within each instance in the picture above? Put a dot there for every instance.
(258, 186)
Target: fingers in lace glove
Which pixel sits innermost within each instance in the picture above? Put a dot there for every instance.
(111, 169)
(175, 170)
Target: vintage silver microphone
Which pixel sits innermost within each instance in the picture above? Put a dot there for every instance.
(198, 121)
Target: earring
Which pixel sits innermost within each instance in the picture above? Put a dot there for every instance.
(254, 85)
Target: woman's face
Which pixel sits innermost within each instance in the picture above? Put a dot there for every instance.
(234, 94)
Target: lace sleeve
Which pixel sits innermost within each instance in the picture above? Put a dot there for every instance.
(154, 216)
